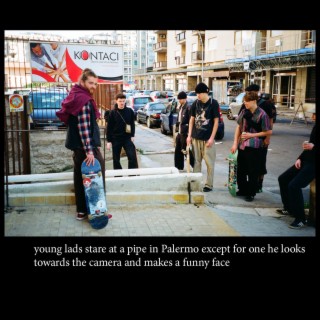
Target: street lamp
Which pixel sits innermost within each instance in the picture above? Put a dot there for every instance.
(202, 55)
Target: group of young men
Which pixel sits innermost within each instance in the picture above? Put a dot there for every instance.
(197, 126)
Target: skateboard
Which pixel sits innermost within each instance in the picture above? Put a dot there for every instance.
(232, 177)
(95, 196)
(188, 171)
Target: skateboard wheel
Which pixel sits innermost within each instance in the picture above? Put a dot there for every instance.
(84, 176)
(99, 173)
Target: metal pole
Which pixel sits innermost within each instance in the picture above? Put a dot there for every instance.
(202, 55)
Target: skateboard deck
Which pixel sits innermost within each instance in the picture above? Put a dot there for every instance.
(95, 196)
(232, 176)
(188, 171)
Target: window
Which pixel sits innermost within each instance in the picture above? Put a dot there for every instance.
(168, 84)
(311, 36)
(212, 44)
(237, 38)
(311, 85)
(246, 37)
(182, 84)
(275, 33)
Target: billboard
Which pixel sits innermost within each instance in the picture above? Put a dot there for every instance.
(64, 62)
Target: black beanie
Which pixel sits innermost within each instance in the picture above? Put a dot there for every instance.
(182, 95)
(253, 87)
(201, 88)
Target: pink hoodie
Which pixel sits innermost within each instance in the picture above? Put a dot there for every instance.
(74, 102)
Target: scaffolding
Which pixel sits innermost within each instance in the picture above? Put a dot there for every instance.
(283, 52)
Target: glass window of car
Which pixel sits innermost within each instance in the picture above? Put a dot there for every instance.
(144, 100)
(157, 107)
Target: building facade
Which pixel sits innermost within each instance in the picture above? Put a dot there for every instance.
(282, 62)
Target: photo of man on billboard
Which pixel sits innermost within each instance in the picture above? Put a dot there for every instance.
(48, 61)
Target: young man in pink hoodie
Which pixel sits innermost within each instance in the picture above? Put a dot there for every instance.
(80, 112)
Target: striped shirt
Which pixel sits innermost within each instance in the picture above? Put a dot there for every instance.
(259, 117)
(84, 128)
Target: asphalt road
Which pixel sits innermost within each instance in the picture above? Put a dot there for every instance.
(156, 150)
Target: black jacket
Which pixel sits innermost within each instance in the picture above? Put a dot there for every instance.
(310, 155)
(185, 117)
(116, 128)
(73, 140)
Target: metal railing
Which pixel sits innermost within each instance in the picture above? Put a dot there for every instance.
(160, 64)
(160, 45)
(197, 56)
(180, 60)
(181, 36)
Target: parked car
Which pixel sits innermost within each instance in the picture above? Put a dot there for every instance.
(192, 96)
(147, 92)
(169, 117)
(137, 102)
(156, 95)
(235, 106)
(150, 114)
(44, 104)
(224, 107)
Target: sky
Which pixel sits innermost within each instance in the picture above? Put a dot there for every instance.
(64, 33)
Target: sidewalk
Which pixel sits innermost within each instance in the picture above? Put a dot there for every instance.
(158, 220)
(222, 214)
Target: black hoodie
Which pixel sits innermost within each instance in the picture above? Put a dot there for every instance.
(116, 127)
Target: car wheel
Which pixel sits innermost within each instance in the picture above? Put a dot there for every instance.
(149, 125)
(229, 115)
(163, 130)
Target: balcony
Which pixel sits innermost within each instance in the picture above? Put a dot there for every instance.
(161, 65)
(181, 37)
(180, 60)
(160, 46)
(196, 32)
(196, 56)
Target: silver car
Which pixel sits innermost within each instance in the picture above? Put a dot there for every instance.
(234, 107)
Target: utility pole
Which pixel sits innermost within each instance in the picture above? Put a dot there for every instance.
(202, 55)
(146, 59)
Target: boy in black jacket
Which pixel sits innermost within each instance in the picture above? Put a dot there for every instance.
(120, 133)
(297, 177)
